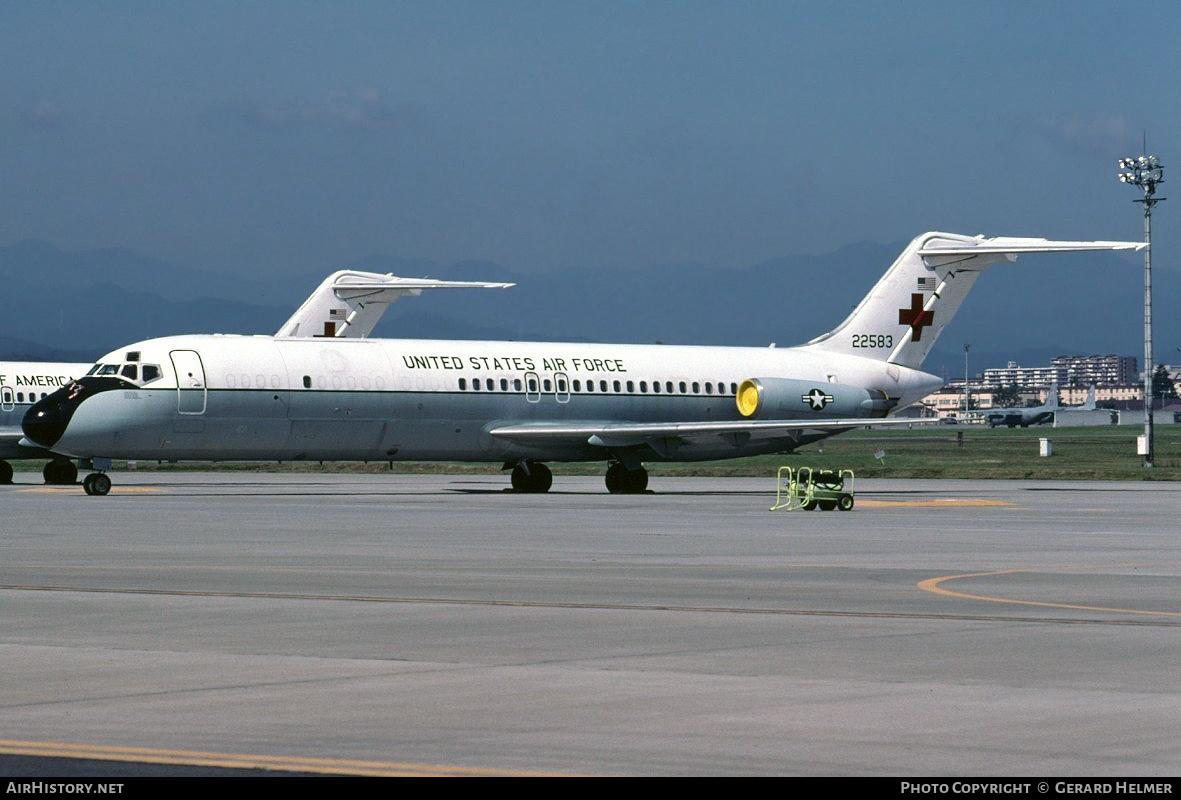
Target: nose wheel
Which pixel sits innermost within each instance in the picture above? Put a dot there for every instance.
(97, 483)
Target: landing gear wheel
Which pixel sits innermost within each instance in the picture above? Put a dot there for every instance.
(60, 473)
(532, 477)
(5, 472)
(96, 483)
(845, 502)
(621, 480)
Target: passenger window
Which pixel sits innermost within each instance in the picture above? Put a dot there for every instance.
(307, 381)
(504, 384)
(463, 384)
(476, 384)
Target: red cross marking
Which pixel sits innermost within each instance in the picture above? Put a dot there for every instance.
(916, 317)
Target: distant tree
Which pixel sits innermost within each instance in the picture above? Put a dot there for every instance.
(1162, 386)
(1006, 397)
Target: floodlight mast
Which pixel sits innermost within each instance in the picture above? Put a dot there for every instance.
(1146, 172)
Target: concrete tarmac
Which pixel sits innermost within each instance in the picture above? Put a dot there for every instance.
(433, 624)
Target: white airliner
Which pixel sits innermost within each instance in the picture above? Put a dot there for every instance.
(338, 397)
(23, 383)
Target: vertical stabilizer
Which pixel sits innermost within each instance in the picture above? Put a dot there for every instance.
(903, 315)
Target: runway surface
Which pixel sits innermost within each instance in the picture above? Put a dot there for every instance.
(397, 624)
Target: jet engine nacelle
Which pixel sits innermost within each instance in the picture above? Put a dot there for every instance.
(784, 398)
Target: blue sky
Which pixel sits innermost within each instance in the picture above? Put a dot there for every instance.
(284, 137)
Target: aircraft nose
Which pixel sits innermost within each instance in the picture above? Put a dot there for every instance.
(46, 420)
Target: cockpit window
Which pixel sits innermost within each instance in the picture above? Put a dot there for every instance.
(108, 369)
(130, 371)
(94, 369)
(151, 372)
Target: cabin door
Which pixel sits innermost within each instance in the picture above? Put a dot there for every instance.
(190, 382)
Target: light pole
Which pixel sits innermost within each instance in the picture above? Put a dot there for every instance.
(1146, 172)
(967, 395)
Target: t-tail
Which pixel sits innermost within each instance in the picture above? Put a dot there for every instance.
(349, 303)
(903, 315)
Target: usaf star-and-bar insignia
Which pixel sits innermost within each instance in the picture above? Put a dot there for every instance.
(817, 399)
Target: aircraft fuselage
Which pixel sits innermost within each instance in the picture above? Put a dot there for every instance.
(242, 398)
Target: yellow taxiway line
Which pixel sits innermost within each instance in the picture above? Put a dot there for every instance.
(200, 758)
(933, 585)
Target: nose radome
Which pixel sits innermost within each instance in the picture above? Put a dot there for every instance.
(46, 420)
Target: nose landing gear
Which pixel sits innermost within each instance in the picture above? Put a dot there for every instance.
(96, 483)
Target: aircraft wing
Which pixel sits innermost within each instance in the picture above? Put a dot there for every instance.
(630, 434)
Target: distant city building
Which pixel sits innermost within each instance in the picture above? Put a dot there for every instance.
(1067, 371)
(1100, 370)
(1023, 377)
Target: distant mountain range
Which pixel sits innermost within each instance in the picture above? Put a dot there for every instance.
(77, 306)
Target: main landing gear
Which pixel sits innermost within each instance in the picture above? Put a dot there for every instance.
(621, 480)
(535, 478)
(532, 476)
(60, 473)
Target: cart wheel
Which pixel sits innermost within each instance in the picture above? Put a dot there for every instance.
(808, 505)
(845, 502)
(828, 505)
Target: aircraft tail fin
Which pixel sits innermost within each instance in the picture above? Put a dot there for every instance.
(348, 304)
(903, 315)
(1089, 403)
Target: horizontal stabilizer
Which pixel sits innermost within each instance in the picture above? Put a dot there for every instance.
(902, 316)
(348, 304)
